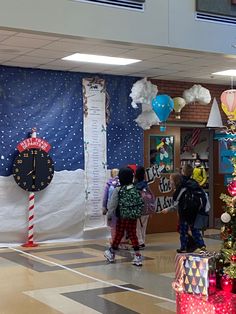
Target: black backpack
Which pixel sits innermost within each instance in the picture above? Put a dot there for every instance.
(192, 201)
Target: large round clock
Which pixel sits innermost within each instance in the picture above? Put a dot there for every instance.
(33, 169)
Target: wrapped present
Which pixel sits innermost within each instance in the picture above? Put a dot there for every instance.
(192, 273)
(197, 269)
(179, 272)
(219, 303)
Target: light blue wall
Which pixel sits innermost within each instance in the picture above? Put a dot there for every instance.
(164, 23)
(88, 20)
(188, 33)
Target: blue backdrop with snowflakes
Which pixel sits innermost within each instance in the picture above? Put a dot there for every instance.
(52, 102)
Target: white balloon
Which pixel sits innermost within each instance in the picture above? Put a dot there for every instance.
(225, 217)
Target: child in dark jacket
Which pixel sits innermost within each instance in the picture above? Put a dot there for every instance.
(180, 183)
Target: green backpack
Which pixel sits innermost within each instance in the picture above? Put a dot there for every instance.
(130, 203)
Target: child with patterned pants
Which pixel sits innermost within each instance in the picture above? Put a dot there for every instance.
(122, 225)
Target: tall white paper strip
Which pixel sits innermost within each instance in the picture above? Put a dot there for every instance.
(95, 150)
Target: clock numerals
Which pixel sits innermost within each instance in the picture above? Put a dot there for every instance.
(18, 178)
(26, 155)
(19, 161)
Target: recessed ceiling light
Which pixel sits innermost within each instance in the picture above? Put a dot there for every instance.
(226, 73)
(80, 57)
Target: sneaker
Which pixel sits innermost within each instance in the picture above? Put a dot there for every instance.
(109, 256)
(201, 250)
(137, 261)
(181, 250)
(142, 246)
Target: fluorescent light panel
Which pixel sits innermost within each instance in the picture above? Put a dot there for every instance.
(80, 57)
(226, 73)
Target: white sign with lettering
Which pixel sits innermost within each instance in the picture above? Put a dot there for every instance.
(164, 185)
(95, 139)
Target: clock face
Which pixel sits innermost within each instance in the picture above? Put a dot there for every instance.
(33, 169)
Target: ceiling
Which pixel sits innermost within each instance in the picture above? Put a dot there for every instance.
(33, 50)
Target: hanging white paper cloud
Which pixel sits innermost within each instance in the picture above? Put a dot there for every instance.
(197, 93)
(146, 119)
(143, 92)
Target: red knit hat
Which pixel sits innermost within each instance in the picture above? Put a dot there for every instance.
(133, 167)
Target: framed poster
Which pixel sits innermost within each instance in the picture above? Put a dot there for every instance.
(225, 155)
(162, 152)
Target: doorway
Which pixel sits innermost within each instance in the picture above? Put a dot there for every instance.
(168, 151)
(166, 161)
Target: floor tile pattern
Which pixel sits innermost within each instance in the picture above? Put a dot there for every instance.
(74, 278)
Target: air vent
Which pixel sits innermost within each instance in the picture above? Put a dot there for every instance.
(215, 18)
(137, 5)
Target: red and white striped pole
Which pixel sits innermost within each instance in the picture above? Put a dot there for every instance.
(30, 242)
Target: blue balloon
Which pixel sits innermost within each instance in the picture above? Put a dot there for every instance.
(162, 105)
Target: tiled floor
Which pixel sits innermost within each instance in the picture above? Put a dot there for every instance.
(74, 278)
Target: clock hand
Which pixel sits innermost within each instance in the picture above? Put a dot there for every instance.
(33, 167)
(30, 172)
(34, 163)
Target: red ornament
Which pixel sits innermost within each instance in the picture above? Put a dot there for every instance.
(212, 284)
(232, 188)
(233, 258)
(226, 283)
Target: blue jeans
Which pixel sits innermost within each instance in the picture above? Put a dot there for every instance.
(196, 234)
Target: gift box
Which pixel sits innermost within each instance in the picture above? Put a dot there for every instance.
(192, 273)
(196, 273)
(219, 303)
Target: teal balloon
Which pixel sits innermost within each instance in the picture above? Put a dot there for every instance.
(162, 105)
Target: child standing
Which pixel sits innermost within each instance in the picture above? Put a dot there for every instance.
(199, 173)
(127, 203)
(111, 184)
(186, 219)
(141, 185)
